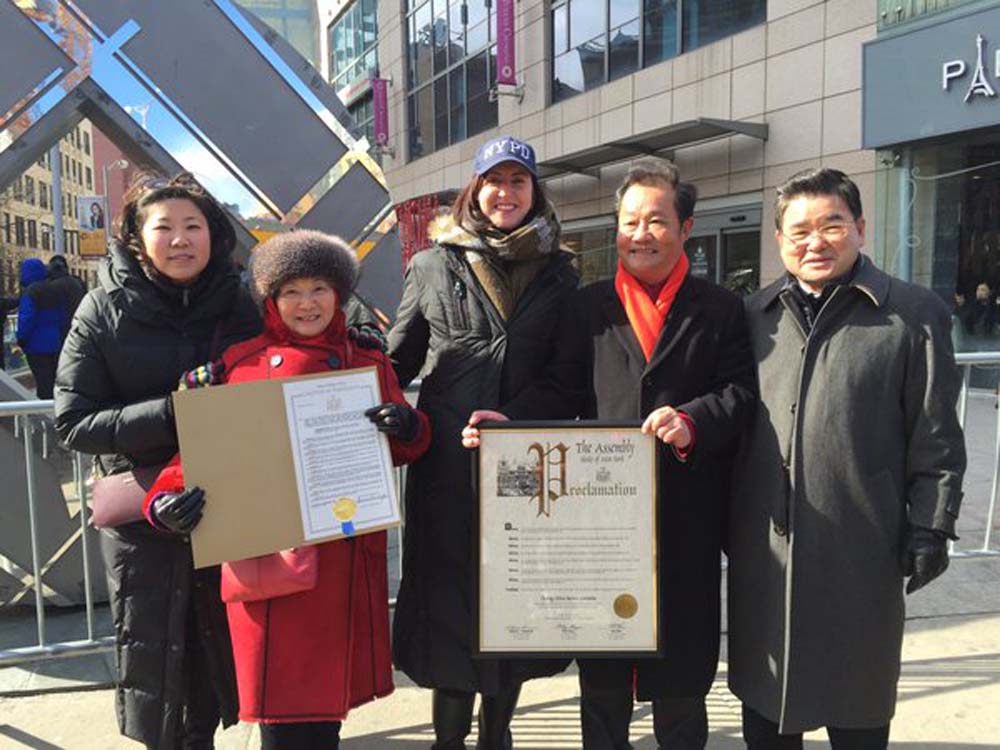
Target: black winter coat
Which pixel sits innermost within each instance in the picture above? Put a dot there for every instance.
(130, 341)
(474, 360)
(70, 290)
(702, 365)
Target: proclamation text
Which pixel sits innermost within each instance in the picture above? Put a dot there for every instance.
(567, 523)
(343, 467)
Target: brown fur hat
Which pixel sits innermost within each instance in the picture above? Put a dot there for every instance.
(300, 254)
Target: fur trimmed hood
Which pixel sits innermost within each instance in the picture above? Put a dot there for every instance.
(444, 230)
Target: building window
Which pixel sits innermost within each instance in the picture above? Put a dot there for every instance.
(354, 44)
(29, 190)
(451, 64)
(6, 227)
(46, 237)
(18, 189)
(19, 231)
(43, 194)
(90, 178)
(292, 19)
(363, 113)
(71, 241)
(32, 233)
(596, 42)
(86, 143)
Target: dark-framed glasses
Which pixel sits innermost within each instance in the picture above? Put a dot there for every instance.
(833, 232)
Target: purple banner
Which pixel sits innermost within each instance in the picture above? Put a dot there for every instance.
(380, 106)
(506, 60)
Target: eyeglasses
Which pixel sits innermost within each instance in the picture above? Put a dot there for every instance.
(828, 232)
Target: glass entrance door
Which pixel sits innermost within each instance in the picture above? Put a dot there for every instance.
(725, 248)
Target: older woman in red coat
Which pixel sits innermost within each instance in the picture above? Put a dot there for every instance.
(303, 660)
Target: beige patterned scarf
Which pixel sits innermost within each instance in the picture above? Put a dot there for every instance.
(505, 264)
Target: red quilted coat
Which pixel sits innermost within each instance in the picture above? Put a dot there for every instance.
(315, 655)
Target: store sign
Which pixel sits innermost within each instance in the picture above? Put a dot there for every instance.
(979, 85)
(354, 90)
(932, 81)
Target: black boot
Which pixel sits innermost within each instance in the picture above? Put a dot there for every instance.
(452, 716)
(495, 714)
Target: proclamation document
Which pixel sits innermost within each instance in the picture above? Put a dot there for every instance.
(567, 540)
(343, 466)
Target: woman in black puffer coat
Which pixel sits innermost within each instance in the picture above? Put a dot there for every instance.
(479, 316)
(169, 300)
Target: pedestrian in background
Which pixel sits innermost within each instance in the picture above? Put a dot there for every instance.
(7, 305)
(849, 480)
(70, 289)
(40, 324)
(169, 299)
(478, 317)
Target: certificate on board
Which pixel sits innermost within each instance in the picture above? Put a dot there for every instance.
(285, 463)
(567, 540)
(343, 468)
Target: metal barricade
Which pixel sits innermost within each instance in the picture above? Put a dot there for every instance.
(967, 361)
(25, 413)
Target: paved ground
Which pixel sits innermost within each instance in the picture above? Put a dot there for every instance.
(949, 692)
(949, 699)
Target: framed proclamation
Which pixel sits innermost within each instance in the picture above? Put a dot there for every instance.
(567, 519)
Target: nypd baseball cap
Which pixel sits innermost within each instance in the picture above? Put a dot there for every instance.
(501, 149)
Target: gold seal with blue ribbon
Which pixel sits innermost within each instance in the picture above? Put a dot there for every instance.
(344, 508)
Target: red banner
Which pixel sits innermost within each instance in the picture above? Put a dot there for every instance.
(506, 62)
(414, 216)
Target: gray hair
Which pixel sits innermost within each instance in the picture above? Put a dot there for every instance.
(660, 171)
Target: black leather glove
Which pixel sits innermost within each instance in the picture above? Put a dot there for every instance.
(394, 419)
(178, 512)
(368, 336)
(925, 557)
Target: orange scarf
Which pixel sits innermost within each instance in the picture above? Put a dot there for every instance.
(645, 314)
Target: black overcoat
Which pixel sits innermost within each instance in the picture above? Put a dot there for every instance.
(701, 365)
(471, 359)
(130, 341)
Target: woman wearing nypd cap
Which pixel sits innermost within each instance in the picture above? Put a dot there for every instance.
(478, 319)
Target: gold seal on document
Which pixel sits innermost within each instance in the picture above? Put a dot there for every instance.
(626, 606)
(344, 508)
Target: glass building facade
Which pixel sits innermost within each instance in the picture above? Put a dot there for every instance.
(294, 20)
(450, 64)
(948, 236)
(596, 41)
(353, 45)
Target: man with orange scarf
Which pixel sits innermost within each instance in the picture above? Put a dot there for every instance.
(673, 350)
